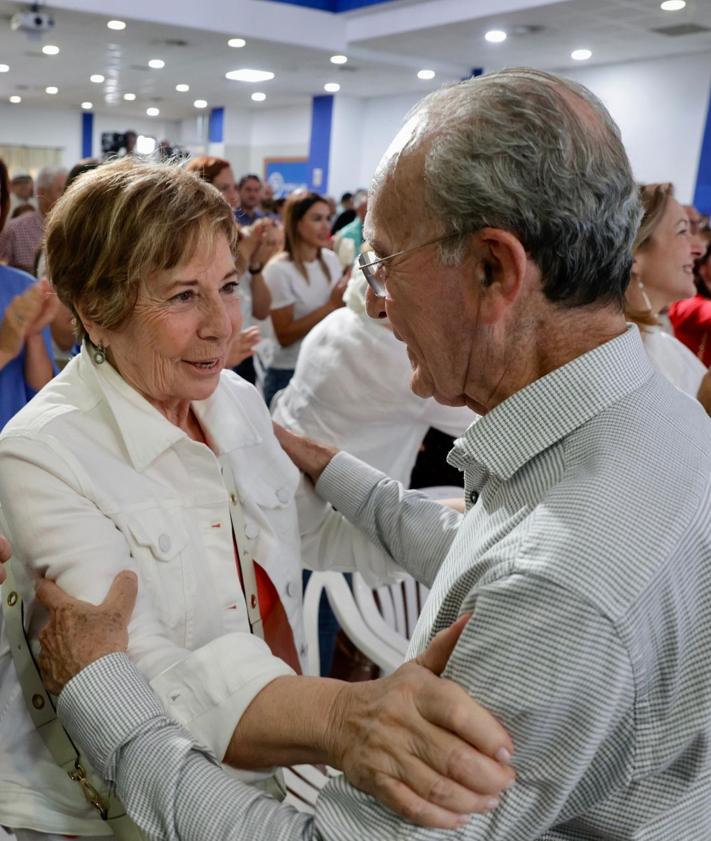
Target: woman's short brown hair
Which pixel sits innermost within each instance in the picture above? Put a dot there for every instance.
(121, 223)
(207, 167)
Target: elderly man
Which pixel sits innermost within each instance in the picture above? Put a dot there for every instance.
(584, 556)
(250, 197)
(21, 238)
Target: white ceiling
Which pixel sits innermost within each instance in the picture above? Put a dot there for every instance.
(615, 30)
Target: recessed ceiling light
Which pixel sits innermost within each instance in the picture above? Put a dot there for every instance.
(4, 68)
(153, 112)
(258, 96)
(426, 74)
(182, 88)
(237, 43)
(87, 106)
(673, 5)
(117, 25)
(581, 55)
(15, 99)
(339, 59)
(51, 90)
(332, 87)
(96, 78)
(200, 103)
(156, 63)
(50, 49)
(129, 97)
(247, 75)
(495, 36)
(145, 145)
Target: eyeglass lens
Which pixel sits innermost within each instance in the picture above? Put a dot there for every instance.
(372, 273)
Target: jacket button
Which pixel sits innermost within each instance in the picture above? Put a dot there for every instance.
(292, 589)
(233, 498)
(283, 495)
(164, 543)
(251, 530)
(253, 600)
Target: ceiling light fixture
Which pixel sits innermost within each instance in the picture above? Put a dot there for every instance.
(156, 63)
(51, 90)
(87, 106)
(152, 112)
(4, 68)
(247, 75)
(258, 96)
(50, 49)
(200, 103)
(116, 25)
(16, 100)
(495, 36)
(339, 59)
(426, 74)
(145, 145)
(182, 88)
(96, 78)
(332, 87)
(237, 43)
(129, 97)
(581, 55)
(672, 5)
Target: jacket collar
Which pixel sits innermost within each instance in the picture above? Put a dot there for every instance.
(147, 434)
(550, 408)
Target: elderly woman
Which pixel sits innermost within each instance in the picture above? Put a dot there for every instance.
(145, 454)
(662, 273)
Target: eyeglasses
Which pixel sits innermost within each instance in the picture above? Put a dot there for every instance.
(374, 270)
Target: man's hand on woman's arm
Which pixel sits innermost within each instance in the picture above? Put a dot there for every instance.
(416, 741)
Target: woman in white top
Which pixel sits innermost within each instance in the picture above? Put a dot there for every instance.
(662, 273)
(145, 454)
(305, 281)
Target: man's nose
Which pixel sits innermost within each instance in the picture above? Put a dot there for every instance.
(374, 306)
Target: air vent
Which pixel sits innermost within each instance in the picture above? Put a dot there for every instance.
(527, 29)
(681, 29)
(140, 67)
(168, 42)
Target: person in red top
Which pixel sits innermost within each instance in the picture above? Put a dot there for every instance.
(691, 318)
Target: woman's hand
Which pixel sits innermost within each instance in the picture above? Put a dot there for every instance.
(26, 315)
(243, 346)
(338, 289)
(419, 743)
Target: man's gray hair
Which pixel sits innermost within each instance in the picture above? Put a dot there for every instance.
(46, 176)
(539, 156)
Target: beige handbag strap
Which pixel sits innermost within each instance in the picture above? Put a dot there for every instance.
(42, 711)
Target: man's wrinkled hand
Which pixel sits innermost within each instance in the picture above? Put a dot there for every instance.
(420, 743)
(309, 456)
(78, 633)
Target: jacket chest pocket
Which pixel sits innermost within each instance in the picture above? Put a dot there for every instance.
(159, 542)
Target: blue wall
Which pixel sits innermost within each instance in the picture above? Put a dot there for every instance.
(216, 125)
(333, 5)
(320, 146)
(87, 134)
(702, 197)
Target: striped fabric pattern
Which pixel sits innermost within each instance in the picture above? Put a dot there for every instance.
(585, 558)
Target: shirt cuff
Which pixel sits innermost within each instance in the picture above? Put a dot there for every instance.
(346, 483)
(105, 705)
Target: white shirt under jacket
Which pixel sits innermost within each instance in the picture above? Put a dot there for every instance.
(94, 480)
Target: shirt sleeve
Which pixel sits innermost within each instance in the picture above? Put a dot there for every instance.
(58, 531)
(169, 786)
(554, 672)
(277, 279)
(414, 531)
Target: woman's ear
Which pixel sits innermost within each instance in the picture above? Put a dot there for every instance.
(98, 336)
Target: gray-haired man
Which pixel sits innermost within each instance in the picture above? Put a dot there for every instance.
(585, 554)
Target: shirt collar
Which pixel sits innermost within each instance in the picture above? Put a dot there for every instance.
(544, 412)
(147, 434)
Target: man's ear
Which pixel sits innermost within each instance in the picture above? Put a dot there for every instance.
(502, 264)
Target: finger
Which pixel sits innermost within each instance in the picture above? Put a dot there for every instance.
(50, 595)
(446, 705)
(438, 652)
(445, 792)
(5, 549)
(122, 594)
(402, 800)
